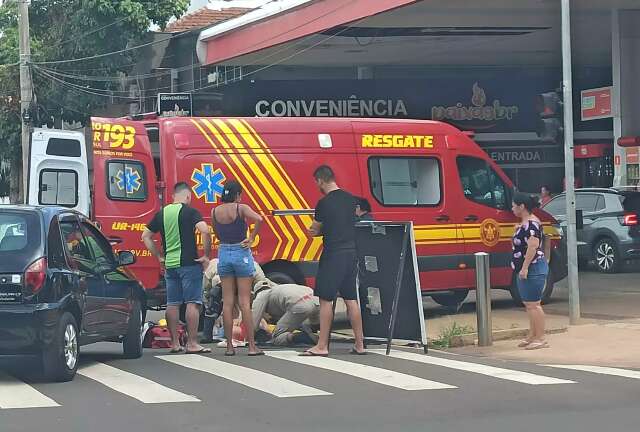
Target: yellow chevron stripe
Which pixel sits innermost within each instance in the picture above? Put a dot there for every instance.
(258, 173)
(286, 184)
(248, 191)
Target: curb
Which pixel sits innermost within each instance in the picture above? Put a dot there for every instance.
(498, 335)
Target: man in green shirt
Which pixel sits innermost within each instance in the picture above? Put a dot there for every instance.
(177, 224)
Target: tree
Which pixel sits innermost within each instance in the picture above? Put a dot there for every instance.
(64, 30)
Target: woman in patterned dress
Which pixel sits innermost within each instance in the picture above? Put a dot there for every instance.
(530, 266)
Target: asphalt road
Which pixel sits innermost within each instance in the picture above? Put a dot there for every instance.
(343, 393)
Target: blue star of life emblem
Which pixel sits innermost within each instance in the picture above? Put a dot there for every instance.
(129, 180)
(208, 183)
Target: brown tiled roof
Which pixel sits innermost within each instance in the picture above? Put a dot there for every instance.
(205, 17)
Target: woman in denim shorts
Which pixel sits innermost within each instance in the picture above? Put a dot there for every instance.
(235, 261)
(530, 265)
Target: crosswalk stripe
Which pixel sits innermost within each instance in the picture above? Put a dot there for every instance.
(625, 373)
(268, 383)
(132, 385)
(495, 372)
(365, 372)
(17, 394)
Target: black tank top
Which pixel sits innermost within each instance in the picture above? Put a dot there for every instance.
(231, 233)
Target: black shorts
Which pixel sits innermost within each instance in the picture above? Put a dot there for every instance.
(337, 274)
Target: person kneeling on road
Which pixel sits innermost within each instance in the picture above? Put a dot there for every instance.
(291, 305)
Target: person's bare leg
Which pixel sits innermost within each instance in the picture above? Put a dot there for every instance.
(244, 298)
(326, 319)
(171, 314)
(353, 310)
(228, 308)
(193, 319)
(539, 322)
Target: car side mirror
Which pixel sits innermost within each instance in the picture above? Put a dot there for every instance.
(126, 258)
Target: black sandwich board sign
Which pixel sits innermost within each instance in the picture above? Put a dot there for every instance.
(389, 284)
(175, 105)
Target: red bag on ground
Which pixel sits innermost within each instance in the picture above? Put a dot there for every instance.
(160, 337)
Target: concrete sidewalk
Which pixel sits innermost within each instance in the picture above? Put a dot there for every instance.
(606, 343)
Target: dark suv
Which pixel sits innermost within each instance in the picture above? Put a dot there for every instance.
(61, 286)
(610, 236)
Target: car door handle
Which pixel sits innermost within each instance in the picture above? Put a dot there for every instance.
(442, 218)
(471, 218)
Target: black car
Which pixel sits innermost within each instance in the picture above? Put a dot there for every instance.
(61, 286)
(610, 236)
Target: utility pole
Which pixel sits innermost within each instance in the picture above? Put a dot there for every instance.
(572, 240)
(26, 91)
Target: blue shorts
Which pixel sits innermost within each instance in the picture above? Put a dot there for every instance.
(235, 261)
(184, 285)
(532, 287)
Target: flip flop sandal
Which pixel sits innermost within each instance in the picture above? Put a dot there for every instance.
(200, 351)
(229, 353)
(256, 354)
(536, 345)
(524, 343)
(312, 354)
(176, 350)
(356, 352)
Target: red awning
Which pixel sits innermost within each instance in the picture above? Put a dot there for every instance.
(286, 26)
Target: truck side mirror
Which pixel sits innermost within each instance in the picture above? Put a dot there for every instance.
(126, 258)
(579, 220)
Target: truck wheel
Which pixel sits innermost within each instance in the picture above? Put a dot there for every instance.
(280, 278)
(452, 299)
(605, 255)
(132, 342)
(60, 358)
(546, 292)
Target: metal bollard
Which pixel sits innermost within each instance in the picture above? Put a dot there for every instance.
(483, 299)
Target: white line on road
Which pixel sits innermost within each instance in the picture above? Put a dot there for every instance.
(369, 373)
(16, 394)
(132, 385)
(495, 372)
(625, 373)
(252, 378)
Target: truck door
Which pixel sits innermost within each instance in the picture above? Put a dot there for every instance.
(405, 184)
(58, 170)
(125, 197)
(488, 222)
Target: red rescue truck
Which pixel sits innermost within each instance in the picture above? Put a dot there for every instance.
(427, 172)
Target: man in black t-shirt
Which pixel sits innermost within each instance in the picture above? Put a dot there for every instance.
(335, 221)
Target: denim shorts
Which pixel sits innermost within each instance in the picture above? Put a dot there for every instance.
(532, 287)
(235, 261)
(184, 285)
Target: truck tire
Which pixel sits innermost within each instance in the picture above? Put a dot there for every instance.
(452, 299)
(132, 341)
(546, 292)
(281, 278)
(60, 357)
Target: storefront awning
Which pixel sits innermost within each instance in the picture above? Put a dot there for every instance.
(265, 28)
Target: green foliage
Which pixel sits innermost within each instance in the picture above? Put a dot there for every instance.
(447, 334)
(72, 29)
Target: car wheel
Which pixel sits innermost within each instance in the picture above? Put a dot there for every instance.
(60, 357)
(132, 342)
(452, 299)
(605, 255)
(546, 291)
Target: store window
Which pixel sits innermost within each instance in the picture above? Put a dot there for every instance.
(481, 183)
(58, 187)
(405, 181)
(126, 181)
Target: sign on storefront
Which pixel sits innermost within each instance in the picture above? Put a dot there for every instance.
(596, 103)
(175, 104)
